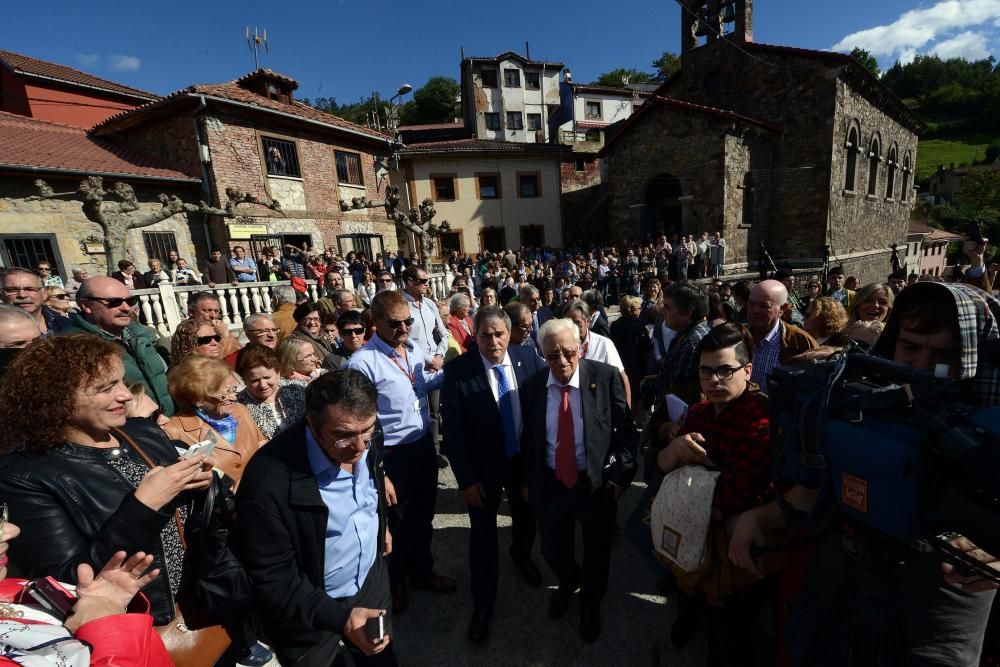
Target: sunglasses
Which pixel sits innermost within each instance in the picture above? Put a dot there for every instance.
(385, 280)
(61, 297)
(421, 281)
(396, 324)
(556, 355)
(115, 302)
(355, 332)
(205, 340)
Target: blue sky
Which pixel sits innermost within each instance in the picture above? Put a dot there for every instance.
(347, 49)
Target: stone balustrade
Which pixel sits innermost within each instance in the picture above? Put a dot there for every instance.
(163, 307)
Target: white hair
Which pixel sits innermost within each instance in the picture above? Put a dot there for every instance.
(284, 294)
(557, 326)
(457, 301)
(11, 314)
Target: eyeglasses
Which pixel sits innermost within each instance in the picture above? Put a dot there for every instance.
(421, 281)
(224, 395)
(359, 331)
(311, 355)
(722, 372)
(555, 355)
(521, 325)
(385, 280)
(263, 332)
(15, 290)
(205, 340)
(61, 297)
(398, 324)
(310, 320)
(114, 302)
(366, 438)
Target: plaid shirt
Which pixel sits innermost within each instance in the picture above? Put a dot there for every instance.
(767, 356)
(738, 442)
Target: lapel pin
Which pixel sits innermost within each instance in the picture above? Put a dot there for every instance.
(593, 387)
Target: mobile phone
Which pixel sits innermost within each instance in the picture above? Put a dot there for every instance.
(52, 596)
(377, 628)
(205, 447)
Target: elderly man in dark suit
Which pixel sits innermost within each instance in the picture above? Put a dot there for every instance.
(482, 430)
(579, 445)
(314, 546)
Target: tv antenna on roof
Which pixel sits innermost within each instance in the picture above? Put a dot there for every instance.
(255, 42)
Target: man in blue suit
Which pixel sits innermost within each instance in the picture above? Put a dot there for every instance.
(482, 430)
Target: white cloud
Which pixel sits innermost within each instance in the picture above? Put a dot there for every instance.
(124, 63)
(969, 45)
(88, 59)
(931, 30)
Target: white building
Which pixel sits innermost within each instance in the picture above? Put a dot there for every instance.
(509, 97)
(587, 109)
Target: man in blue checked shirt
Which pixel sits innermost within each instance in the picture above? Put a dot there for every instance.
(403, 377)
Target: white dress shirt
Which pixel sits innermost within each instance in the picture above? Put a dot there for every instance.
(508, 370)
(600, 348)
(552, 405)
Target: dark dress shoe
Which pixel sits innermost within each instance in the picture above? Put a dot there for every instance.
(434, 582)
(479, 625)
(590, 624)
(559, 602)
(399, 598)
(529, 571)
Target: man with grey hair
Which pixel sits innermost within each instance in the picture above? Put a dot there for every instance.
(594, 346)
(23, 289)
(73, 284)
(580, 447)
(775, 341)
(284, 305)
(520, 325)
(261, 329)
(598, 318)
(459, 323)
(482, 433)
(530, 297)
(17, 327)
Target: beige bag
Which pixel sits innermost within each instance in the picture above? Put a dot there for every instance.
(681, 513)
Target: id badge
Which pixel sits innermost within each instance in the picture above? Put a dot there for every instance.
(419, 403)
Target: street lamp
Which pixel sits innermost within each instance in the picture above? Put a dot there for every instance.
(391, 121)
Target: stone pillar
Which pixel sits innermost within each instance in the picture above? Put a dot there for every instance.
(689, 22)
(744, 21)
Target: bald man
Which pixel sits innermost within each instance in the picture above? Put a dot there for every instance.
(106, 307)
(775, 341)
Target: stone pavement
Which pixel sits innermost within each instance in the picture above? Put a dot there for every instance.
(636, 618)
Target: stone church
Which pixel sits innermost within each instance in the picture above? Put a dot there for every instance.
(803, 151)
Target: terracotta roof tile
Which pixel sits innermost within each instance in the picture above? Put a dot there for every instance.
(233, 91)
(35, 67)
(480, 146)
(29, 143)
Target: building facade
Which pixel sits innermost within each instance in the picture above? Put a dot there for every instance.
(799, 152)
(510, 97)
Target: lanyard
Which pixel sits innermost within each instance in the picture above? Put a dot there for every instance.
(408, 374)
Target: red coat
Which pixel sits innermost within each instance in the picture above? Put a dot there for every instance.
(122, 640)
(464, 337)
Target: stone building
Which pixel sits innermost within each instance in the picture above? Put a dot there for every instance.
(251, 134)
(56, 230)
(797, 149)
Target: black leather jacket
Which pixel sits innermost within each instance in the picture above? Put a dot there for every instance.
(72, 508)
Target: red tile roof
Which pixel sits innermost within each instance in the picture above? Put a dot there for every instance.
(480, 146)
(232, 91)
(29, 144)
(29, 66)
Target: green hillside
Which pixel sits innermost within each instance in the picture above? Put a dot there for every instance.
(932, 152)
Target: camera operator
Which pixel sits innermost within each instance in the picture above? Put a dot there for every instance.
(941, 617)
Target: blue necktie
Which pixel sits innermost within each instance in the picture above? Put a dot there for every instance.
(506, 404)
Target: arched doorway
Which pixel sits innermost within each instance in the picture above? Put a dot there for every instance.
(663, 212)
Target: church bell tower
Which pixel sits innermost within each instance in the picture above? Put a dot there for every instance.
(704, 21)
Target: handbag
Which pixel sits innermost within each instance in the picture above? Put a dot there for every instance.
(187, 646)
(681, 513)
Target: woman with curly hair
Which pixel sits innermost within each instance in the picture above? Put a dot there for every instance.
(274, 403)
(868, 312)
(204, 391)
(82, 480)
(197, 337)
(825, 321)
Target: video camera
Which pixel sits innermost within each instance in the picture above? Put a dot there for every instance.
(893, 449)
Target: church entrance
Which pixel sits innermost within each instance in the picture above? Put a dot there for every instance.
(664, 212)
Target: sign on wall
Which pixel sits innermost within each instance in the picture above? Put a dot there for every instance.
(243, 231)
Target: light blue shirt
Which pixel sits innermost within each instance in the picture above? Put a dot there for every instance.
(245, 263)
(352, 523)
(402, 404)
(426, 319)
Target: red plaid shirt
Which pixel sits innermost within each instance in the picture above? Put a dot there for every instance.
(738, 442)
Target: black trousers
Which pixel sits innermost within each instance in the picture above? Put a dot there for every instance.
(484, 545)
(328, 651)
(412, 468)
(559, 510)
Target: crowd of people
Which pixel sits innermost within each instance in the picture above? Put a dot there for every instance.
(323, 426)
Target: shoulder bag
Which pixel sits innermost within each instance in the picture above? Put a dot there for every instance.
(681, 513)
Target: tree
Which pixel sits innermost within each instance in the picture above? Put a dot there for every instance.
(435, 102)
(614, 77)
(666, 65)
(867, 60)
(115, 217)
